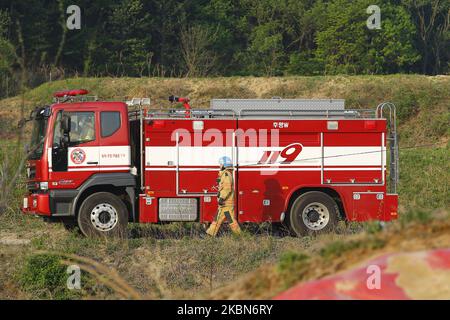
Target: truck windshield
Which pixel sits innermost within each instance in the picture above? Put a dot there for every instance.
(37, 138)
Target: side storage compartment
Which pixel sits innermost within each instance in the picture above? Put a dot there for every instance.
(147, 209)
(353, 158)
(368, 205)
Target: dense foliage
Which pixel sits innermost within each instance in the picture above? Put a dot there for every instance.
(222, 37)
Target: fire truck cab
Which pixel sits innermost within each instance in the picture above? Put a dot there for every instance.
(306, 163)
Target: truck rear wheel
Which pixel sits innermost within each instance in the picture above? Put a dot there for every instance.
(313, 212)
(103, 214)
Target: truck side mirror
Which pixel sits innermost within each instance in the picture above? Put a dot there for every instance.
(65, 129)
(64, 141)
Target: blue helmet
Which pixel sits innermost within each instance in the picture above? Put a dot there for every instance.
(225, 162)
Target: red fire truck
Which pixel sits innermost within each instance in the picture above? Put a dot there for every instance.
(304, 163)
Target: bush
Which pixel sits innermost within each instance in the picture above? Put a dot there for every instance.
(406, 104)
(304, 64)
(44, 277)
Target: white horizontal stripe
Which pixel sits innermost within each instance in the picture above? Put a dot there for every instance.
(104, 155)
(240, 169)
(363, 156)
(90, 155)
(279, 169)
(100, 169)
(209, 156)
(182, 169)
(195, 156)
(122, 153)
(269, 169)
(353, 169)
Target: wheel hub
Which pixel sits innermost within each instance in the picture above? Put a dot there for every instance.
(104, 217)
(315, 216)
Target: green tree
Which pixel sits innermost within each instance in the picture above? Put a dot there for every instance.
(236, 37)
(7, 56)
(224, 19)
(432, 20)
(122, 44)
(346, 45)
(275, 30)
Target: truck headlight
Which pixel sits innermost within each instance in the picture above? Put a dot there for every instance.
(43, 185)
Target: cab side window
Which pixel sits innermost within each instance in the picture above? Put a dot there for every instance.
(109, 122)
(82, 127)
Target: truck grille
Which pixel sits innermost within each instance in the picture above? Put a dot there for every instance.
(32, 186)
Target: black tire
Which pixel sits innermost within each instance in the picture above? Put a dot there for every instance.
(315, 207)
(103, 214)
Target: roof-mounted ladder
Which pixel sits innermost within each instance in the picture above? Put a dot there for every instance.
(393, 143)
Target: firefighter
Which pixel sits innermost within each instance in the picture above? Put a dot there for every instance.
(225, 201)
(86, 126)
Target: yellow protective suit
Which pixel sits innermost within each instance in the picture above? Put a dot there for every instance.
(225, 208)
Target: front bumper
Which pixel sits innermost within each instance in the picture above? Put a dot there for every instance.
(36, 203)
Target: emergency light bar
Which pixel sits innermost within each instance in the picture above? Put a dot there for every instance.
(70, 93)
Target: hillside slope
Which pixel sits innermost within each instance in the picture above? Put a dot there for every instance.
(422, 101)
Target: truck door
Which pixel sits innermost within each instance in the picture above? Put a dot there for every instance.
(79, 154)
(114, 145)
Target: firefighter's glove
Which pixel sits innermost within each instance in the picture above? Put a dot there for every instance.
(221, 201)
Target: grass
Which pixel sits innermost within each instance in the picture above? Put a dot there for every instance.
(337, 248)
(44, 277)
(424, 178)
(173, 267)
(171, 260)
(292, 266)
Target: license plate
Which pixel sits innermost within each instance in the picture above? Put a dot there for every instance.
(25, 203)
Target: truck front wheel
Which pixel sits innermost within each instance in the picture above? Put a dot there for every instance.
(312, 213)
(103, 214)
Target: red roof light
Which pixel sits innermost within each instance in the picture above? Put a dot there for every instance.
(72, 93)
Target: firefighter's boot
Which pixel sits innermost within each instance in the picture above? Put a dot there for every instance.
(235, 228)
(226, 212)
(213, 229)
